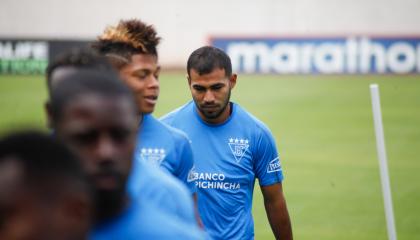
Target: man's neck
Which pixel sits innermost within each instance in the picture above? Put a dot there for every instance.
(109, 206)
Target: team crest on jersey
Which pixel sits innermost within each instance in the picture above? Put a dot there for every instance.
(153, 155)
(238, 147)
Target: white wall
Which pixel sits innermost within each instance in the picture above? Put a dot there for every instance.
(186, 24)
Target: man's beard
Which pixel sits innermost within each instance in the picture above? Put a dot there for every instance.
(217, 114)
(109, 203)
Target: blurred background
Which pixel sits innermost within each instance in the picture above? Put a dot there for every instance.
(304, 69)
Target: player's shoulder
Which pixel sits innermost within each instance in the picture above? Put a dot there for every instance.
(177, 113)
(175, 134)
(163, 130)
(250, 120)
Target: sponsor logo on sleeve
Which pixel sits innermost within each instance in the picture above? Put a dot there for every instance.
(274, 165)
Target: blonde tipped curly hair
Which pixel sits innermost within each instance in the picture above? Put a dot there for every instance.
(133, 32)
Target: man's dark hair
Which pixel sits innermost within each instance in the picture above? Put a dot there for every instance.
(48, 168)
(206, 59)
(86, 81)
(119, 43)
(40, 155)
(79, 58)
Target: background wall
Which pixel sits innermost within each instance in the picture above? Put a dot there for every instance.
(187, 24)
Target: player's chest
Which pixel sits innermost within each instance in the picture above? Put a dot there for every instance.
(227, 153)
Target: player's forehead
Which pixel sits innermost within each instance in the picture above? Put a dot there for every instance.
(98, 110)
(144, 61)
(216, 76)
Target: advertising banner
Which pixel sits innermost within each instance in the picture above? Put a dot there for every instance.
(323, 55)
(31, 56)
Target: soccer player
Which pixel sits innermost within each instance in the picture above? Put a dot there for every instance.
(232, 149)
(44, 192)
(153, 184)
(95, 115)
(131, 47)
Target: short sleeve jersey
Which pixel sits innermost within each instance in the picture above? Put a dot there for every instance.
(228, 158)
(143, 220)
(166, 147)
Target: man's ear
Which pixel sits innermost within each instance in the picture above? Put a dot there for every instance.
(232, 80)
(188, 79)
(48, 112)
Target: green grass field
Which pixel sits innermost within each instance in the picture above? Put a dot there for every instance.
(324, 131)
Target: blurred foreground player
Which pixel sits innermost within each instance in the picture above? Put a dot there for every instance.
(232, 148)
(44, 193)
(153, 184)
(95, 115)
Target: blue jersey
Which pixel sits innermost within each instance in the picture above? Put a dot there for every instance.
(143, 220)
(228, 159)
(166, 147)
(154, 185)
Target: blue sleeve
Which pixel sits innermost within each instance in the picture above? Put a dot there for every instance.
(267, 165)
(172, 196)
(185, 169)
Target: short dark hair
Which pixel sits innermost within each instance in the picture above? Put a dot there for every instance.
(80, 58)
(205, 59)
(119, 43)
(47, 165)
(87, 81)
(40, 155)
(43, 159)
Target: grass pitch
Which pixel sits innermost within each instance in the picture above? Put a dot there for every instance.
(324, 131)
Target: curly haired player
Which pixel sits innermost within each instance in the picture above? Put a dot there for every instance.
(131, 46)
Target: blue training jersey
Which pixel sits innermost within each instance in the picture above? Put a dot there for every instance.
(162, 189)
(228, 158)
(143, 220)
(166, 147)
